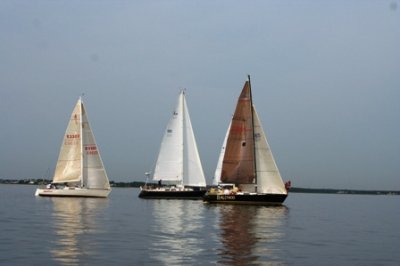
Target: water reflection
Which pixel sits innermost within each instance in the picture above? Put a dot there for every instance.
(73, 219)
(250, 234)
(175, 239)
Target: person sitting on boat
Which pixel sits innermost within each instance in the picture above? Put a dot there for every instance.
(160, 183)
(234, 190)
(48, 186)
(288, 184)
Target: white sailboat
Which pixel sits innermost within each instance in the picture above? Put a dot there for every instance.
(178, 165)
(246, 171)
(79, 171)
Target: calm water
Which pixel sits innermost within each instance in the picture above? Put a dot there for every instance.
(311, 229)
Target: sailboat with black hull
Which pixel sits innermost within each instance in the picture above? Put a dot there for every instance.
(178, 170)
(246, 172)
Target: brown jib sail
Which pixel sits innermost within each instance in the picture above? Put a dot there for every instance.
(238, 164)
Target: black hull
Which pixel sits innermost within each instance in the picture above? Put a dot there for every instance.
(251, 199)
(154, 194)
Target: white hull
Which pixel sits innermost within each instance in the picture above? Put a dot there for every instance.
(73, 192)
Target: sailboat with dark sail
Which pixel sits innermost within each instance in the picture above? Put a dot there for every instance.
(246, 172)
(178, 170)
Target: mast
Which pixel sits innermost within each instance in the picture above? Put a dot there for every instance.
(252, 127)
(81, 137)
(183, 136)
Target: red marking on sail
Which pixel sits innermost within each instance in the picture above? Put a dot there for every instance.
(238, 163)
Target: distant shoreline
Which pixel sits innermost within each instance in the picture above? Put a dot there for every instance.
(343, 191)
(292, 190)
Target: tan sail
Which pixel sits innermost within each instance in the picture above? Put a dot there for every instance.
(94, 173)
(238, 165)
(69, 162)
(79, 164)
(269, 179)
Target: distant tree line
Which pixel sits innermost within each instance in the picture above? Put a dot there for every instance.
(343, 191)
(33, 181)
(292, 189)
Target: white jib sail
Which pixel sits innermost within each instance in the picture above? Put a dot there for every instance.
(169, 166)
(218, 170)
(269, 179)
(94, 173)
(193, 174)
(68, 168)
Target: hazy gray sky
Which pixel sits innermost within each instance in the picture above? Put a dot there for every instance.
(325, 79)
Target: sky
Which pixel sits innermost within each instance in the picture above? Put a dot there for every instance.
(325, 80)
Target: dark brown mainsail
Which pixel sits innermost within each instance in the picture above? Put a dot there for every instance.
(238, 164)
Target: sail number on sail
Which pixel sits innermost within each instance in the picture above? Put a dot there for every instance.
(91, 150)
(72, 139)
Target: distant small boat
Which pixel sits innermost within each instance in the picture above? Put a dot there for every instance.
(178, 170)
(79, 171)
(246, 171)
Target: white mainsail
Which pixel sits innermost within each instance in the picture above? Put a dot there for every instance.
(169, 166)
(79, 159)
(269, 179)
(178, 161)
